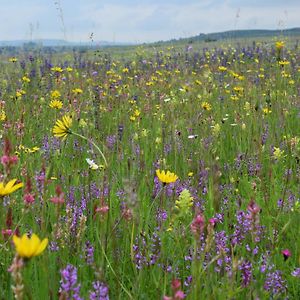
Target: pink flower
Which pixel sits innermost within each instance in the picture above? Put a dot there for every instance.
(7, 232)
(286, 253)
(198, 224)
(28, 198)
(179, 295)
(58, 200)
(5, 160)
(102, 210)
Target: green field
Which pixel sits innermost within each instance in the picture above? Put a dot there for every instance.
(88, 133)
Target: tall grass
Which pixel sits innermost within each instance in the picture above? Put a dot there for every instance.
(224, 120)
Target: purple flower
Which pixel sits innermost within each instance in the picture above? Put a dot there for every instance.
(100, 291)
(89, 253)
(246, 270)
(296, 273)
(68, 283)
(274, 283)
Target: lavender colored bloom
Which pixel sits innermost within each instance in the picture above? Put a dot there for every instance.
(161, 216)
(53, 246)
(296, 273)
(100, 291)
(274, 283)
(68, 283)
(265, 135)
(89, 253)
(246, 270)
(241, 228)
(110, 141)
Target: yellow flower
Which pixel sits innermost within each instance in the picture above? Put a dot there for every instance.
(222, 68)
(55, 94)
(57, 104)
(277, 153)
(77, 91)
(166, 177)
(279, 45)
(216, 129)
(2, 115)
(185, 202)
(57, 69)
(62, 127)
(206, 106)
(9, 188)
(266, 111)
(25, 79)
(13, 59)
(29, 247)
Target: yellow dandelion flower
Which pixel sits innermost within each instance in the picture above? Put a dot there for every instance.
(137, 113)
(13, 59)
(222, 68)
(57, 69)
(166, 177)
(29, 247)
(266, 111)
(77, 91)
(62, 127)
(283, 62)
(10, 187)
(20, 93)
(55, 94)
(57, 104)
(26, 79)
(206, 106)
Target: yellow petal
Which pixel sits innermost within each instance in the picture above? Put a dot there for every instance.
(16, 187)
(24, 249)
(42, 247)
(34, 244)
(9, 185)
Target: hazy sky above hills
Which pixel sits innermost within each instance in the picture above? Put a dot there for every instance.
(140, 20)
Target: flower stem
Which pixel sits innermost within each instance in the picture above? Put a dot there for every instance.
(90, 141)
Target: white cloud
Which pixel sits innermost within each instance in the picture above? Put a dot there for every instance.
(143, 20)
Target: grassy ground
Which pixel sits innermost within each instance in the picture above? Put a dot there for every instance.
(224, 119)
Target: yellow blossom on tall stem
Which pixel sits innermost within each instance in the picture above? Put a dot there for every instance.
(57, 104)
(28, 247)
(62, 127)
(166, 177)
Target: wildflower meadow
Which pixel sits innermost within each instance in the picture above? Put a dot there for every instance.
(168, 173)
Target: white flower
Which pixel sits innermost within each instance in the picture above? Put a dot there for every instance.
(92, 164)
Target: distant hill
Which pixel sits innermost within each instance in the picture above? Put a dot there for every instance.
(57, 43)
(252, 33)
(209, 37)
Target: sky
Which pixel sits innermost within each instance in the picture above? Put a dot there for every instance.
(139, 20)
